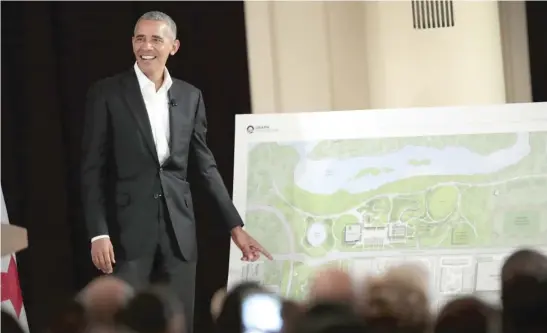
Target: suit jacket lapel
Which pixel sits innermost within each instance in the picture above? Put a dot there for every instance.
(135, 101)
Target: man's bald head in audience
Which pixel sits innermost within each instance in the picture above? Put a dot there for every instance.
(103, 297)
(333, 285)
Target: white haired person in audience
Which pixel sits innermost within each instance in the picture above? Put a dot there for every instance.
(397, 301)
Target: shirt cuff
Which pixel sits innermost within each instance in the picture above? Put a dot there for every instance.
(99, 237)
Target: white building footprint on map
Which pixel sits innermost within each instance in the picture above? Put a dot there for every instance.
(316, 234)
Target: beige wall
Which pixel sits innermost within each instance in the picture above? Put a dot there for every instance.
(310, 56)
(515, 51)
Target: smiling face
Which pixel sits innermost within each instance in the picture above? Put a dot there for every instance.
(153, 42)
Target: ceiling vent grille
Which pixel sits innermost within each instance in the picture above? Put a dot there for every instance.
(432, 14)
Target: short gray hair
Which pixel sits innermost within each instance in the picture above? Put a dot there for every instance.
(160, 16)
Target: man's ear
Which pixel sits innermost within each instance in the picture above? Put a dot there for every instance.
(176, 45)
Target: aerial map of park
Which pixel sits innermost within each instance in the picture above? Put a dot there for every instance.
(450, 202)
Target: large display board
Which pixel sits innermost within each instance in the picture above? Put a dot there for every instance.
(455, 188)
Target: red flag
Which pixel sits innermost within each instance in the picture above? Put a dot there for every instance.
(12, 299)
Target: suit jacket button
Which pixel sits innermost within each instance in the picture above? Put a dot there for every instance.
(156, 196)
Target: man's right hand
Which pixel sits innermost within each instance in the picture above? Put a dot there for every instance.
(102, 254)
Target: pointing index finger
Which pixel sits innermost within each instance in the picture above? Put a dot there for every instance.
(263, 251)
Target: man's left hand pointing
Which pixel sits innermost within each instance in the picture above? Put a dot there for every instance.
(248, 245)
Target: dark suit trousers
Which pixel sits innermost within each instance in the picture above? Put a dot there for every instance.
(167, 264)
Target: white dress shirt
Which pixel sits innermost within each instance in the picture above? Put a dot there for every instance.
(157, 106)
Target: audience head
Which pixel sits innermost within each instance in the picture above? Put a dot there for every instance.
(524, 262)
(327, 317)
(229, 318)
(397, 300)
(72, 319)
(103, 297)
(291, 312)
(331, 285)
(524, 294)
(467, 314)
(154, 310)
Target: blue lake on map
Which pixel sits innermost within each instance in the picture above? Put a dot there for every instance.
(328, 176)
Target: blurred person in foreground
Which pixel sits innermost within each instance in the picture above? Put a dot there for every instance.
(397, 301)
(326, 317)
(469, 315)
(524, 292)
(227, 308)
(153, 310)
(290, 313)
(330, 307)
(142, 130)
(95, 307)
(331, 285)
(71, 319)
(103, 297)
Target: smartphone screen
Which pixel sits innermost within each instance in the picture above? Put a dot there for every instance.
(261, 313)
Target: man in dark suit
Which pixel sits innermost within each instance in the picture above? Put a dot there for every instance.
(142, 128)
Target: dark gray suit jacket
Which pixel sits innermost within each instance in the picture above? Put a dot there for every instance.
(122, 180)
